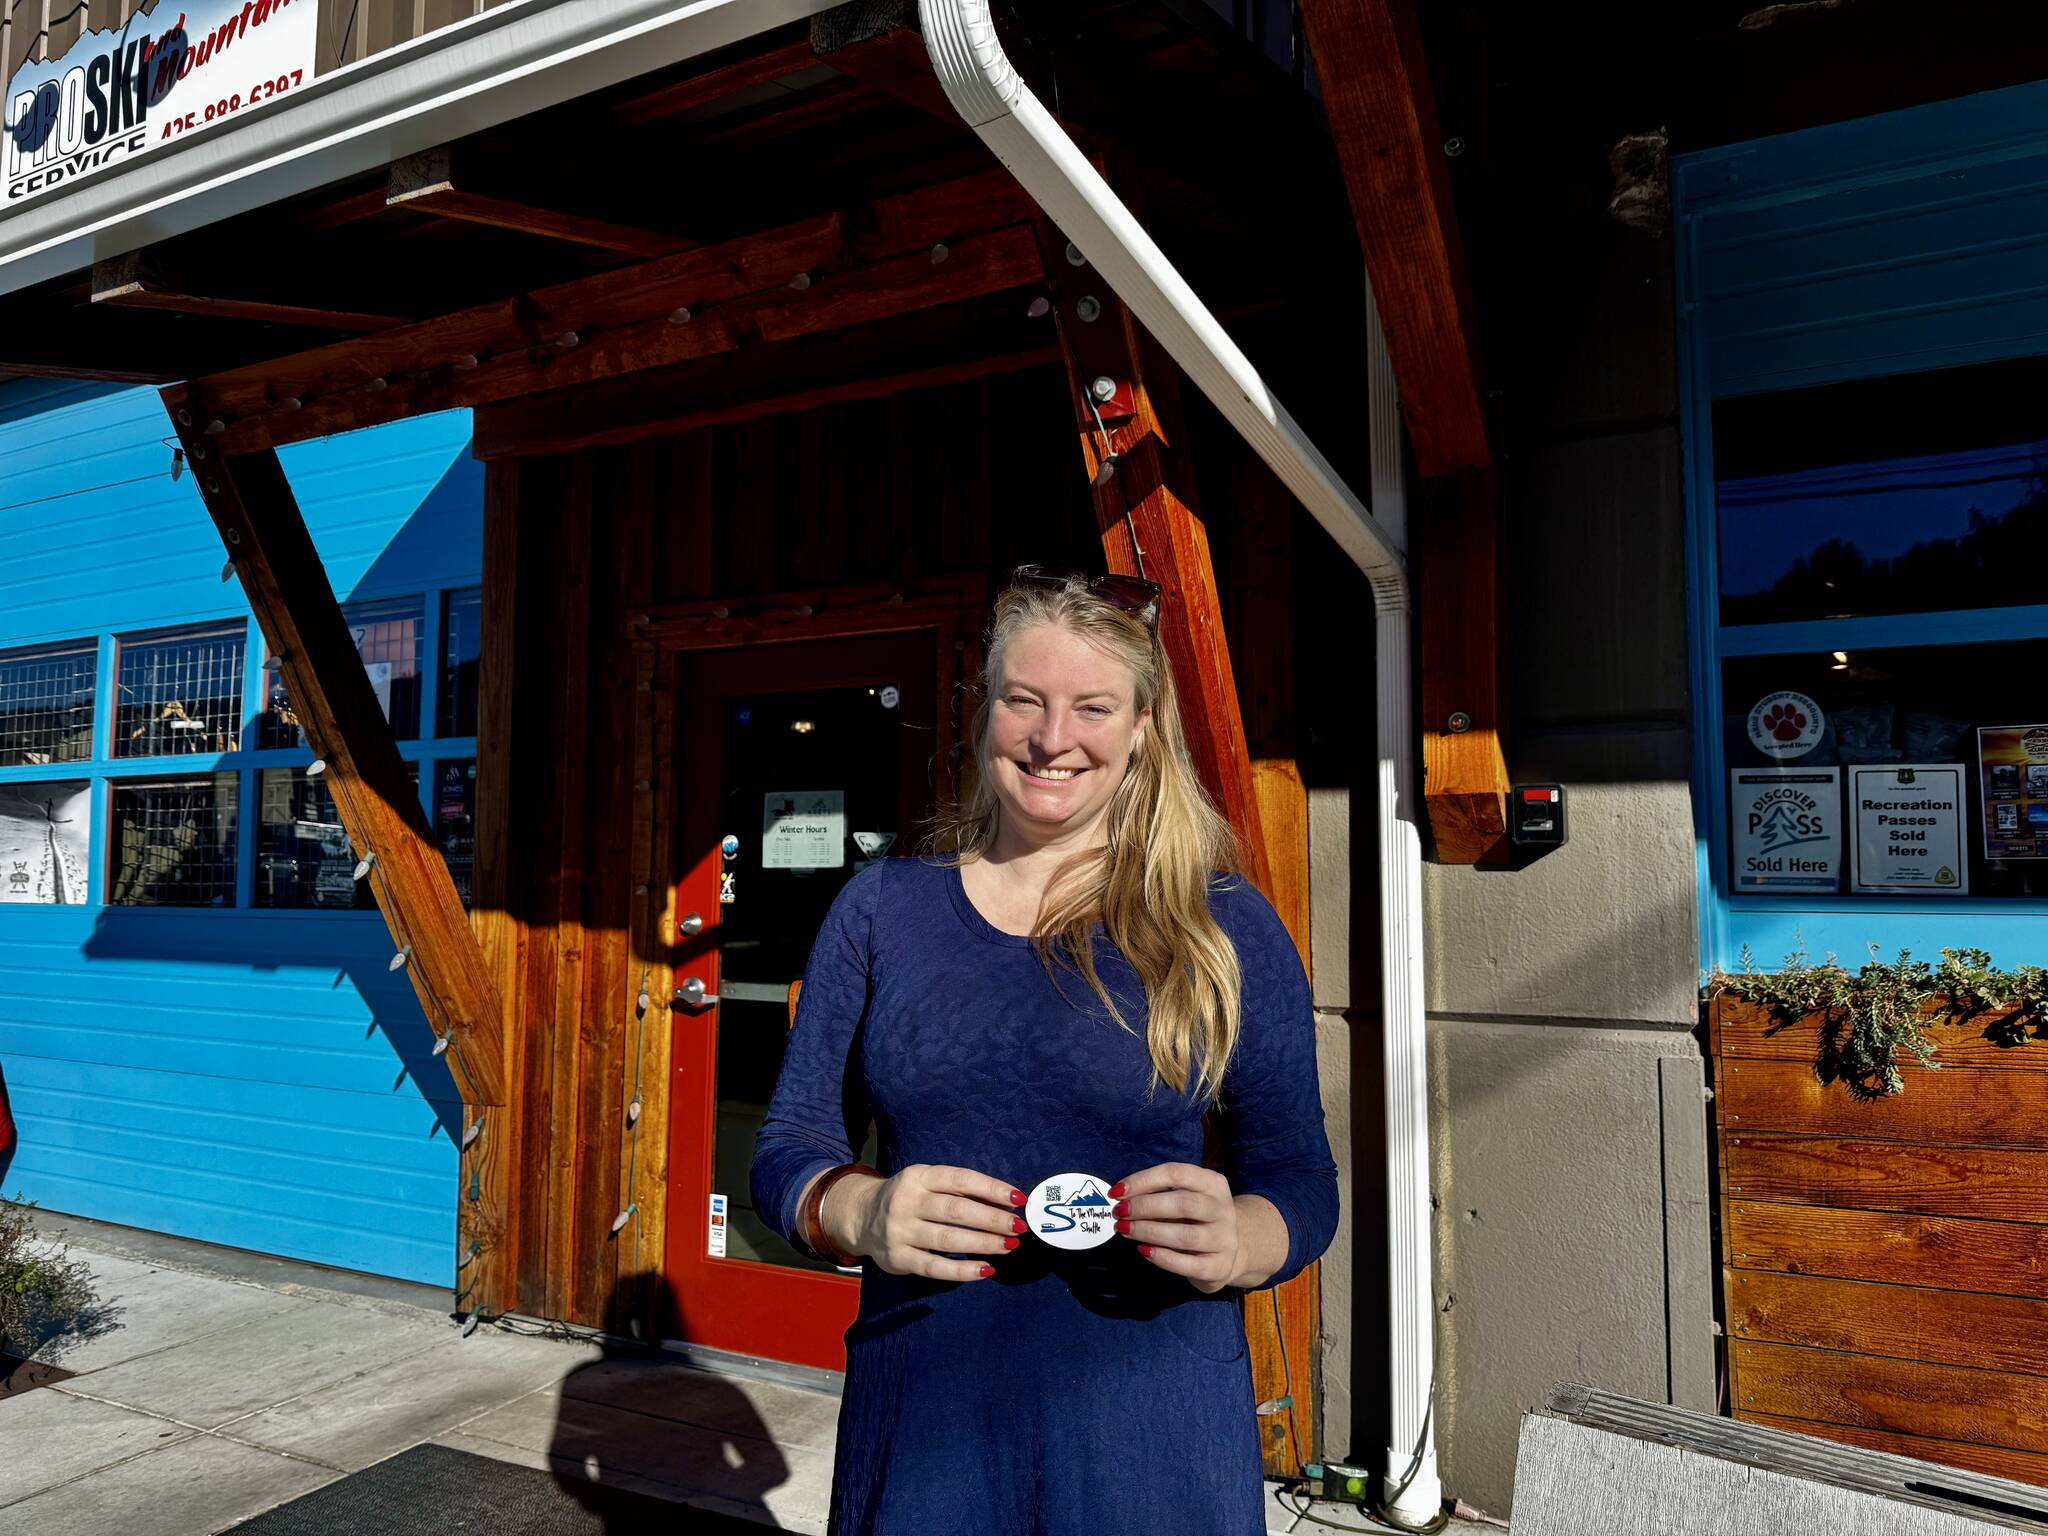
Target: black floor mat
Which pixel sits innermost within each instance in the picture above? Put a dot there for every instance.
(431, 1490)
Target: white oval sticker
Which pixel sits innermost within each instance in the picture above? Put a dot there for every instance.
(1786, 724)
(1072, 1210)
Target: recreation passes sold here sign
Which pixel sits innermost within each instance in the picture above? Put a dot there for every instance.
(118, 93)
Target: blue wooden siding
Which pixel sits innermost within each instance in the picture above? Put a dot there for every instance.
(1892, 244)
(257, 1078)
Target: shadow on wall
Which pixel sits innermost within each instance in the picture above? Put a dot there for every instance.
(8, 1137)
(635, 1420)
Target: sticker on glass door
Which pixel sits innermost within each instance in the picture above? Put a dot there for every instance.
(715, 1245)
(803, 829)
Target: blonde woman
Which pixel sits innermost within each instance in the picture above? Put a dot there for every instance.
(1065, 994)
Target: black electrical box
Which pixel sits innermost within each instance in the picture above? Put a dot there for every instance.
(1536, 815)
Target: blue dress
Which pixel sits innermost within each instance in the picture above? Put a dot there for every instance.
(1073, 1393)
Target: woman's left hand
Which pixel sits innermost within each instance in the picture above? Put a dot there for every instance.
(1183, 1219)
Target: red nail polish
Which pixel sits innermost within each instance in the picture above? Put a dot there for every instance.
(1017, 1225)
(1123, 1208)
(1145, 1249)
(1010, 1244)
(1124, 1227)
(987, 1270)
(1016, 1197)
(1116, 1190)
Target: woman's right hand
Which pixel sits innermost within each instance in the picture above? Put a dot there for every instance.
(906, 1224)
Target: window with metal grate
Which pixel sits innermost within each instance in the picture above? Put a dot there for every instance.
(46, 698)
(179, 692)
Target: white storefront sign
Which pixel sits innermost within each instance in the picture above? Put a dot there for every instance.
(1785, 826)
(1909, 828)
(121, 92)
(803, 829)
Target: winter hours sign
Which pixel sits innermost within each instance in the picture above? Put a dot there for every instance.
(119, 93)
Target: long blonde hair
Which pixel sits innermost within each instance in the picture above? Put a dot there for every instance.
(1149, 885)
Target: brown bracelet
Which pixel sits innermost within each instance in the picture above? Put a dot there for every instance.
(810, 1220)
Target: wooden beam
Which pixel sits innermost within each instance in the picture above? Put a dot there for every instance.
(252, 505)
(1150, 518)
(854, 267)
(863, 362)
(127, 281)
(1376, 95)
(1464, 770)
(425, 183)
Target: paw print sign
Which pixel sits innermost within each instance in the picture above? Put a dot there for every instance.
(1786, 725)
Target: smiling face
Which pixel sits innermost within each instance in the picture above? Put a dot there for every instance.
(1062, 727)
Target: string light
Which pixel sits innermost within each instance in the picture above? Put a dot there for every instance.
(315, 768)
(470, 1324)
(215, 427)
(567, 340)
(1040, 307)
(801, 281)
(680, 315)
(442, 1039)
(398, 962)
(475, 1130)
(940, 252)
(377, 385)
(619, 1221)
(177, 465)
(227, 572)
(465, 362)
(365, 864)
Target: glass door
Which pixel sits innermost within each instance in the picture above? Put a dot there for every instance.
(802, 763)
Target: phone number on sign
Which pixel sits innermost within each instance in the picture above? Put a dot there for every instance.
(263, 90)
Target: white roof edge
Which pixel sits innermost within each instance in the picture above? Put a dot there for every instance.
(509, 61)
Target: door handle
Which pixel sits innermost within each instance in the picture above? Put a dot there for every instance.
(691, 993)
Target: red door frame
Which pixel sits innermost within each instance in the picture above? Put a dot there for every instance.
(735, 1304)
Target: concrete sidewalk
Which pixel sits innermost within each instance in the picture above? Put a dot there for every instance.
(222, 1384)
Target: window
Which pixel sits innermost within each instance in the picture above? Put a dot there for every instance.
(461, 650)
(45, 828)
(173, 842)
(455, 822)
(1882, 641)
(303, 854)
(391, 638)
(46, 705)
(179, 692)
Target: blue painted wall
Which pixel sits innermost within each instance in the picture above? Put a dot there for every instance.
(1897, 243)
(250, 1077)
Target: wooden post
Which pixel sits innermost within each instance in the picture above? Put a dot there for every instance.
(252, 505)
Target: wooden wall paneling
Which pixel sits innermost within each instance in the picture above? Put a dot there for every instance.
(497, 921)
(655, 918)
(1994, 1183)
(622, 583)
(1999, 1408)
(1944, 1253)
(1957, 1105)
(688, 512)
(537, 826)
(1961, 1328)
(1993, 1461)
(756, 467)
(569, 876)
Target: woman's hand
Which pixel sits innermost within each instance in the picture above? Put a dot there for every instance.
(1185, 1220)
(904, 1225)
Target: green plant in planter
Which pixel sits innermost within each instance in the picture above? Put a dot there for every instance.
(45, 1295)
(1867, 1016)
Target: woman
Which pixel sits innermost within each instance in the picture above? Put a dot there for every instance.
(1066, 994)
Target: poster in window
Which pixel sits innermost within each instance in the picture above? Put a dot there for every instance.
(1909, 828)
(1786, 828)
(2012, 775)
(44, 829)
(803, 829)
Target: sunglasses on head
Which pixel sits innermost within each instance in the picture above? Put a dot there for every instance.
(1132, 594)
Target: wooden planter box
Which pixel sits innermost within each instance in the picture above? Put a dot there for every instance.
(1885, 1264)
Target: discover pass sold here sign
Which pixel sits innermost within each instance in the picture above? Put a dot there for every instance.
(121, 92)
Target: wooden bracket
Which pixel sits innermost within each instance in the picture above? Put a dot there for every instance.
(426, 183)
(1464, 758)
(252, 505)
(1149, 513)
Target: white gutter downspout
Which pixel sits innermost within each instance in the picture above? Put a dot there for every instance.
(1000, 108)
